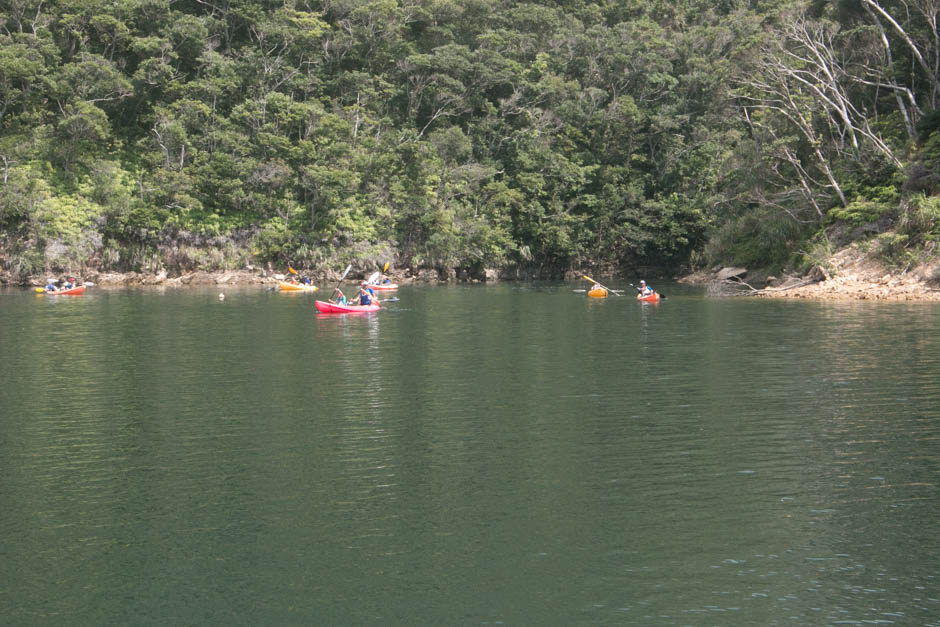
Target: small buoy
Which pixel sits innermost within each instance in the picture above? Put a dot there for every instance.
(221, 296)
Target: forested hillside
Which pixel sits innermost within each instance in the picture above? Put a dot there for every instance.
(176, 135)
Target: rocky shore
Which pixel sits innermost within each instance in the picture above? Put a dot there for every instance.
(244, 277)
(848, 275)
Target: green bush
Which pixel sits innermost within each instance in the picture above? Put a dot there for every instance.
(818, 253)
(763, 239)
(275, 242)
(920, 216)
(893, 249)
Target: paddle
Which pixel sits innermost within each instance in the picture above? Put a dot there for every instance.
(583, 291)
(661, 295)
(345, 272)
(291, 270)
(605, 287)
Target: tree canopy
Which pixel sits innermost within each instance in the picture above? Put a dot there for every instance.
(154, 135)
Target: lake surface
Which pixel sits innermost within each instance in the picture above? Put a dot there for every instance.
(471, 455)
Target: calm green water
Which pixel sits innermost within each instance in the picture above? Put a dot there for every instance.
(510, 454)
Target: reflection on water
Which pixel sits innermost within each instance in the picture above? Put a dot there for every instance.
(511, 453)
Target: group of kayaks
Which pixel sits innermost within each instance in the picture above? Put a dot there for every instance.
(342, 308)
(329, 307)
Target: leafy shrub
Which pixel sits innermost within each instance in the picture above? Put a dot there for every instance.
(893, 248)
(920, 216)
(275, 242)
(762, 239)
(818, 253)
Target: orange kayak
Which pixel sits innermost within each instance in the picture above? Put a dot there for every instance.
(80, 289)
(599, 292)
(296, 287)
(651, 298)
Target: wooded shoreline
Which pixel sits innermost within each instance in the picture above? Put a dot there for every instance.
(554, 135)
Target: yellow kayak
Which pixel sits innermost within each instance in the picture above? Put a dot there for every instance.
(599, 292)
(296, 287)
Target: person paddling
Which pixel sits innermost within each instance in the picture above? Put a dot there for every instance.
(339, 297)
(50, 286)
(644, 289)
(366, 295)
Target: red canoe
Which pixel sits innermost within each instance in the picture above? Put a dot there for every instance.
(333, 308)
(652, 298)
(75, 290)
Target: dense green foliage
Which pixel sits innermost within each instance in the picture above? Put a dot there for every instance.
(155, 135)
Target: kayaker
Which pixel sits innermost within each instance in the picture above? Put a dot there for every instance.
(340, 298)
(50, 285)
(366, 295)
(69, 283)
(644, 289)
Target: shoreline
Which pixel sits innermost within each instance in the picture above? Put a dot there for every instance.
(234, 278)
(849, 275)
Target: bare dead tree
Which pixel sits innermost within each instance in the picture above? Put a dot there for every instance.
(925, 54)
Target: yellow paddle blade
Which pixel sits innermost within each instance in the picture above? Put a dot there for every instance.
(291, 270)
(385, 267)
(589, 279)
